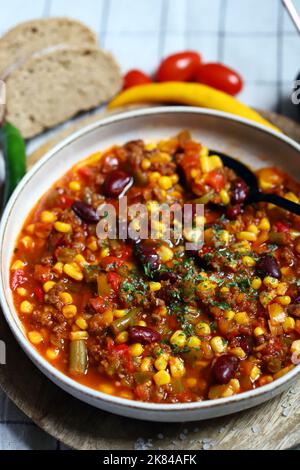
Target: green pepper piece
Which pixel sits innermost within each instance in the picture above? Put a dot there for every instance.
(123, 323)
(14, 151)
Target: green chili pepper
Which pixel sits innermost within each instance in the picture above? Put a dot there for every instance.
(13, 146)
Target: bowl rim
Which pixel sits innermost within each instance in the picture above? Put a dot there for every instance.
(46, 367)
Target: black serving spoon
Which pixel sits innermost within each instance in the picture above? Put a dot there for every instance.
(255, 194)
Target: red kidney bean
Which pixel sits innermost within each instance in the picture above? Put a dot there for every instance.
(240, 191)
(142, 334)
(116, 182)
(224, 368)
(148, 256)
(233, 211)
(167, 276)
(268, 266)
(246, 343)
(85, 212)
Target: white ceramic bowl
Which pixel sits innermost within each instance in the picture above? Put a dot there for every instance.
(252, 143)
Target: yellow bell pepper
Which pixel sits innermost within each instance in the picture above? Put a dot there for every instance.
(193, 94)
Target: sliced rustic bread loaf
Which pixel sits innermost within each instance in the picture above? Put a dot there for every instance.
(33, 36)
(51, 88)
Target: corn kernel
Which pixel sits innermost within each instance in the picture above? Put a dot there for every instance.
(93, 246)
(252, 228)
(47, 286)
(276, 313)
(248, 261)
(238, 352)
(206, 286)
(145, 164)
(58, 268)
(264, 224)
(26, 307)
(282, 288)
(202, 328)
(258, 331)
(165, 254)
(63, 227)
(271, 282)
(161, 362)
(178, 339)
(146, 364)
(177, 368)
(244, 235)
(255, 373)
(122, 337)
(69, 311)
(150, 146)
(22, 292)
(154, 286)
(106, 388)
(265, 297)
(225, 198)
(284, 299)
(224, 236)
(289, 324)
(104, 252)
(30, 229)
(17, 265)
(79, 259)
(229, 315)
(142, 323)
(224, 290)
(48, 217)
(65, 297)
(52, 354)
(120, 313)
(256, 283)
(295, 347)
(154, 176)
(77, 335)
(175, 178)
(194, 342)
(292, 197)
(191, 382)
(241, 318)
(35, 337)
(27, 242)
(165, 182)
(81, 323)
(162, 377)
(73, 271)
(136, 349)
(75, 186)
(218, 344)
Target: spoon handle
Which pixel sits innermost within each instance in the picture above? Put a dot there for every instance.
(276, 200)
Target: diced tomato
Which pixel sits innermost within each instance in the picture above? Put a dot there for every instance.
(135, 78)
(112, 262)
(126, 252)
(39, 293)
(65, 202)
(85, 171)
(281, 227)
(109, 343)
(42, 273)
(114, 280)
(99, 304)
(216, 180)
(124, 353)
(18, 279)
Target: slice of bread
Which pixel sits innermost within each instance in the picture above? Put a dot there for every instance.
(32, 36)
(49, 89)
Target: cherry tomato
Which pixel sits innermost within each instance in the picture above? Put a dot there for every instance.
(179, 67)
(114, 280)
(135, 78)
(221, 77)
